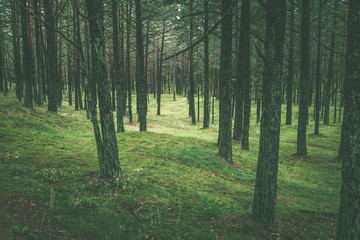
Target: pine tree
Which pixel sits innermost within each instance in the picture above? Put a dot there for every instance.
(264, 202)
(349, 224)
(304, 77)
(140, 68)
(109, 162)
(225, 119)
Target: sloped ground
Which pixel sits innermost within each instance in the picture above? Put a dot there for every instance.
(174, 184)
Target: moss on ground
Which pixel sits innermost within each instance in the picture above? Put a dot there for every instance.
(174, 184)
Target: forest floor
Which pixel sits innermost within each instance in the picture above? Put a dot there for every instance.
(174, 184)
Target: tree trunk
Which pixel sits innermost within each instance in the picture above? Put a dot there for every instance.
(159, 71)
(39, 52)
(117, 69)
(206, 66)
(244, 43)
(225, 121)
(28, 61)
(110, 166)
(318, 81)
(128, 61)
(191, 68)
(330, 78)
(16, 50)
(3, 82)
(290, 75)
(264, 202)
(304, 77)
(349, 225)
(51, 55)
(140, 69)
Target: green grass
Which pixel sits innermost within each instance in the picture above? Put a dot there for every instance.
(174, 184)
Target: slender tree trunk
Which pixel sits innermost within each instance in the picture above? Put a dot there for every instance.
(28, 61)
(70, 73)
(264, 202)
(117, 69)
(290, 75)
(3, 82)
(191, 68)
(349, 226)
(304, 77)
(159, 71)
(122, 64)
(140, 69)
(51, 55)
(330, 78)
(318, 80)
(39, 55)
(16, 50)
(245, 69)
(128, 65)
(206, 66)
(225, 121)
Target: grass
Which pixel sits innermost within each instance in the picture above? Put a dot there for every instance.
(174, 184)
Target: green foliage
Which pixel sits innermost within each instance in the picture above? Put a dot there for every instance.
(22, 232)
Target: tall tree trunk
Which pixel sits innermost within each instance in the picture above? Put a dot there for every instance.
(28, 61)
(245, 69)
(191, 69)
(128, 65)
(159, 71)
(117, 69)
(349, 225)
(3, 82)
(140, 69)
(264, 202)
(51, 55)
(330, 78)
(318, 80)
(39, 52)
(206, 66)
(110, 166)
(290, 75)
(16, 50)
(225, 121)
(304, 77)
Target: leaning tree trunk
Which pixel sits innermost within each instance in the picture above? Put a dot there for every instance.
(110, 166)
(304, 77)
(225, 119)
(349, 224)
(264, 202)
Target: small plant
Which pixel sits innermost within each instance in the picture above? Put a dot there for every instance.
(50, 175)
(22, 232)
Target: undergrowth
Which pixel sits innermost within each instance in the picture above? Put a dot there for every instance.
(174, 184)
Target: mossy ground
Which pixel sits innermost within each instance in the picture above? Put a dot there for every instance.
(174, 184)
